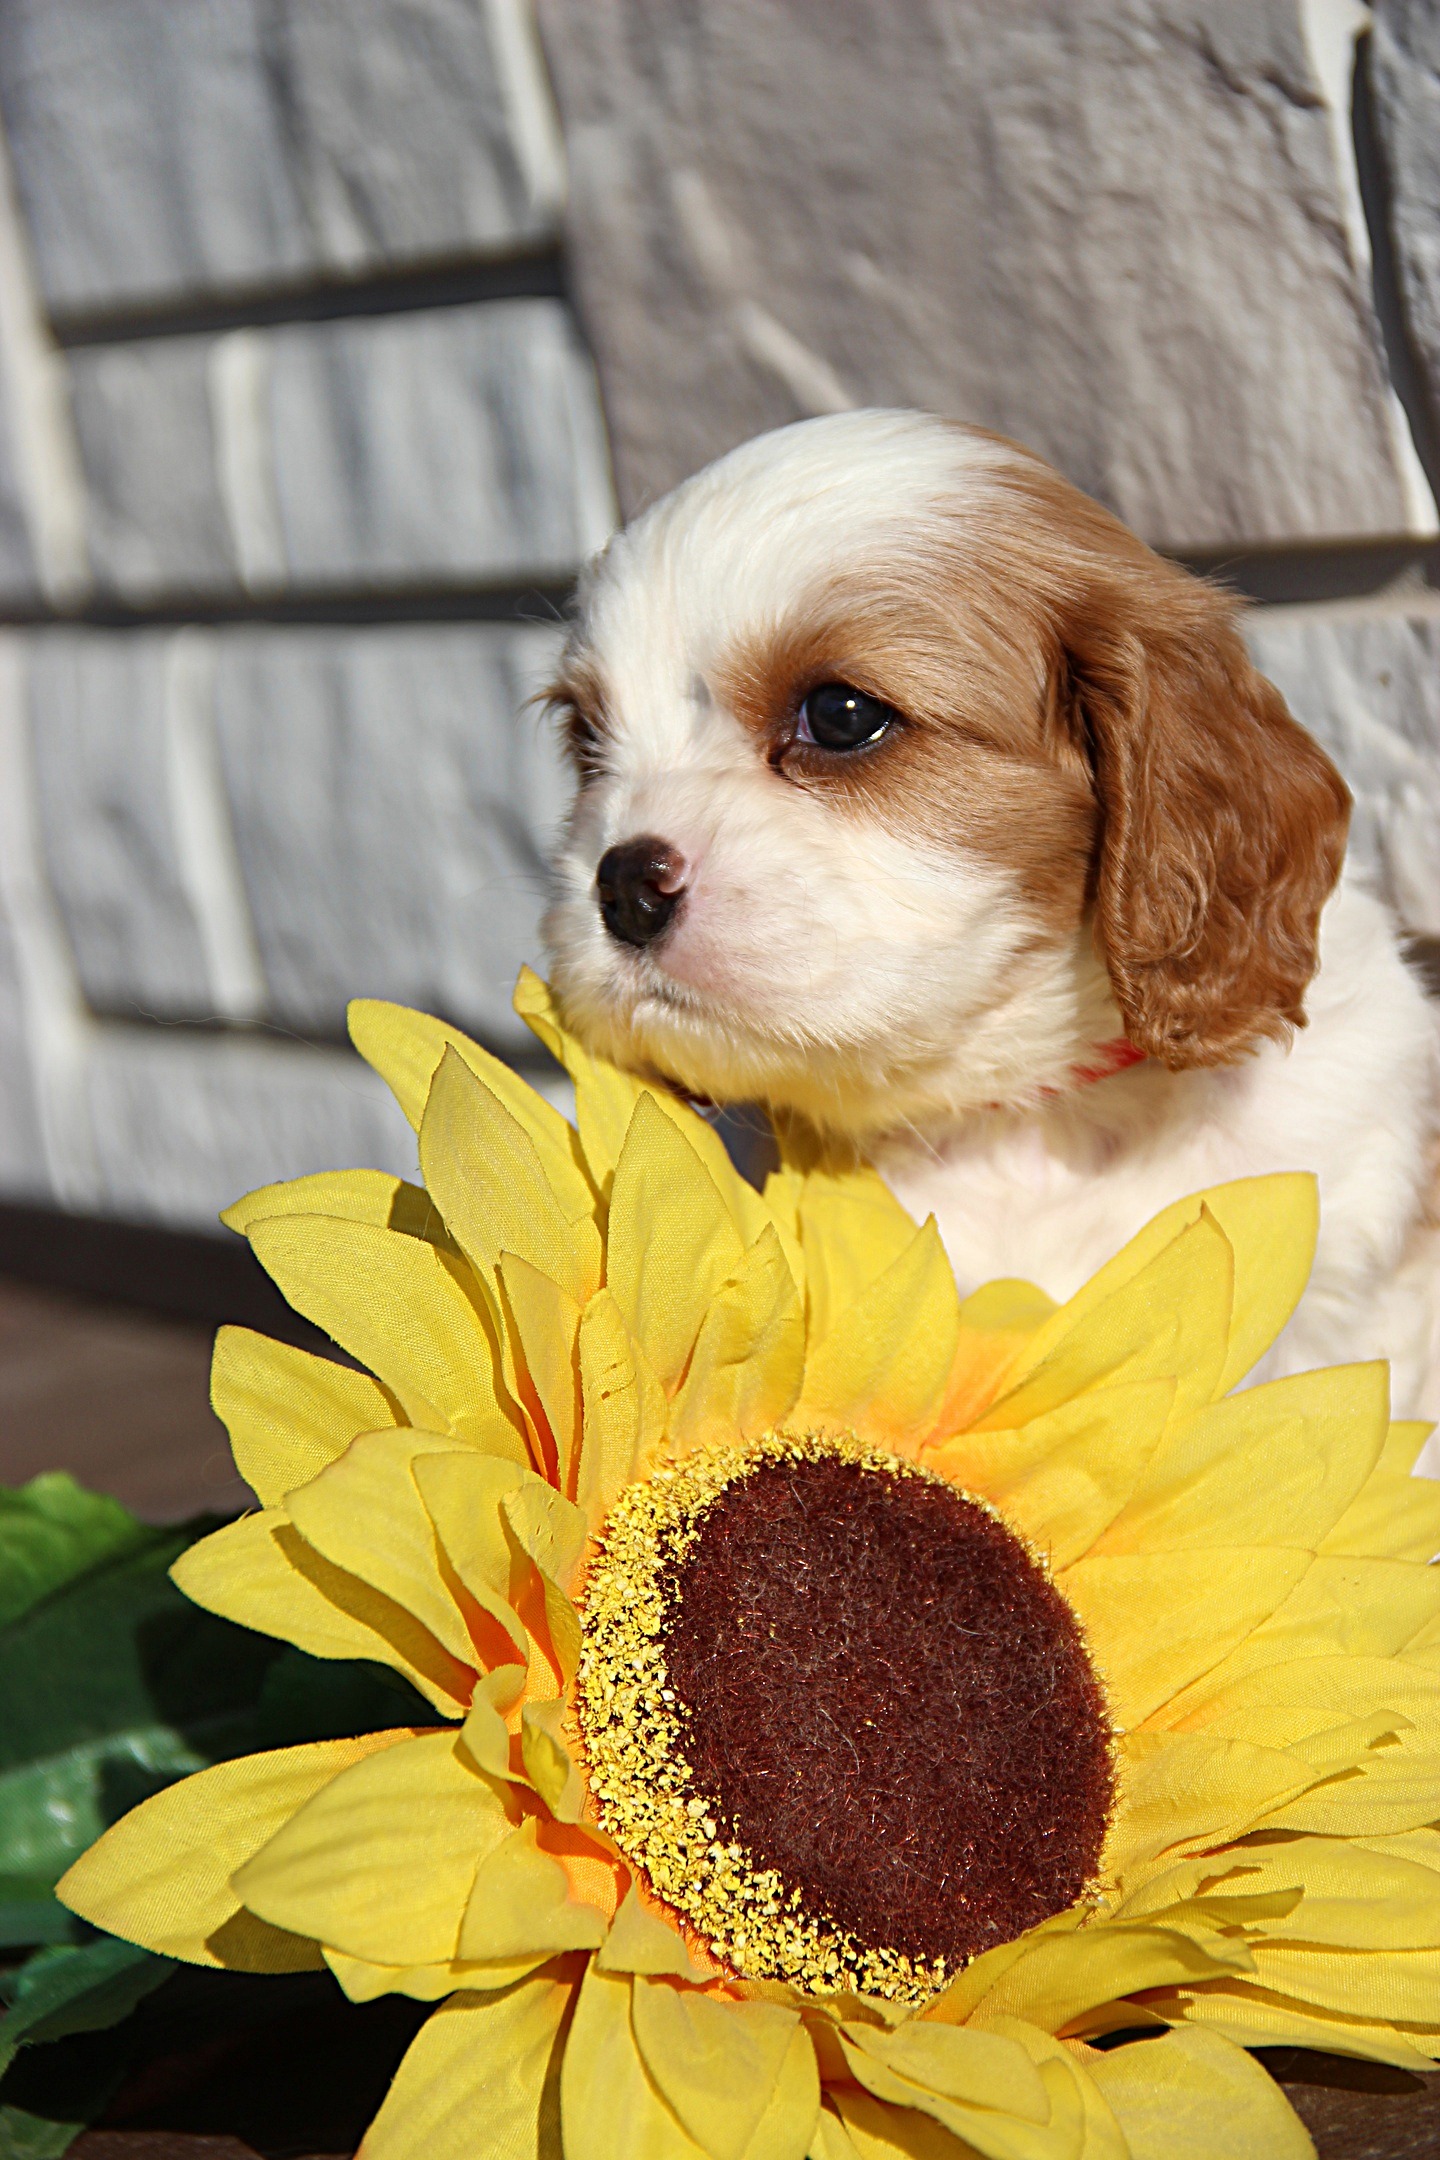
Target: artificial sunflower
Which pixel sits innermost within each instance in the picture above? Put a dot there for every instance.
(855, 1707)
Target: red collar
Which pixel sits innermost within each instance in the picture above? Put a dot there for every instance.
(1107, 1058)
(1104, 1061)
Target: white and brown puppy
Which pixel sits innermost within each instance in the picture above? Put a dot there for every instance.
(921, 798)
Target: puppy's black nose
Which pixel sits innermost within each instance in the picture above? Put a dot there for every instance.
(640, 884)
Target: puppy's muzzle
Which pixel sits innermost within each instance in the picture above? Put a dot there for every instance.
(639, 886)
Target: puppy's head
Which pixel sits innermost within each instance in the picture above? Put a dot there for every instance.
(902, 766)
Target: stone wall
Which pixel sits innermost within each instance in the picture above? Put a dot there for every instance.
(301, 445)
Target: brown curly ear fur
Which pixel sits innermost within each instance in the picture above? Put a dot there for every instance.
(1223, 822)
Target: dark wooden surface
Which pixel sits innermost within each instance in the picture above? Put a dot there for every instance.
(116, 1395)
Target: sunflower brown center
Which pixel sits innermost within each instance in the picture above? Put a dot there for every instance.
(838, 1715)
(887, 1702)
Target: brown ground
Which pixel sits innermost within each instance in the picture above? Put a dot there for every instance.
(119, 1397)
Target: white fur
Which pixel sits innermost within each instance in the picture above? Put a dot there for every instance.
(898, 992)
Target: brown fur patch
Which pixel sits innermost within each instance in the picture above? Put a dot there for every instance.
(1084, 714)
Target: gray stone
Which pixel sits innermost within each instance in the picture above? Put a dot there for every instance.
(445, 446)
(97, 720)
(385, 796)
(1405, 74)
(24, 1169)
(1367, 683)
(1112, 228)
(19, 579)
(186, 1123)
(169, 152)
(155, 519)
(393, 806)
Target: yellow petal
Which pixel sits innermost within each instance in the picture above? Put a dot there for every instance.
(362, 1196)
(1270, 1224)
(521, 1903)
(548, 1761)
(957, 2062)
(485, 1734)
(1292, 1453)
(718, 2065)
(881, 1371)
(495, 1190)
(1251, 2016)
(1081, 2118)
(998, 2133)
(1191, 2095)
(403, 1309)
(1063, 1478)
(260, 1572)
(1059, 1978)
(1328, 1689)
(610, 2107)
(997, 1323)
(1357, 1897)
(406, 1048)
(381, 1862)
(605, 1103)
(365, 1514)
(1156, 1622)
(832, 2141)
(672, 1242)
(364, 1982)
(161, 1876)
(749, 1357)
(1394, 1516)
(852, 1228)
(487, 2061)
(641, 1942)
(1167, 1319)
(1339, 1607)
(545, 1321)
(1181, 1791)
(624, 1409)
(462, 1491)
(289, 1414)
(874, 2130)
(552, 1532)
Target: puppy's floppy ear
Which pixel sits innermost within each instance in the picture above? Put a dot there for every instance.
(1223, 823)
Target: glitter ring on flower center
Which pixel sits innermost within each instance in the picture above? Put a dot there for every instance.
(839, 1717)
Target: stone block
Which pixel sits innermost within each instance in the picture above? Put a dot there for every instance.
(24, 1168)
(393, 806)
(440, 447)
(1366, 682)
(264, 823)
(1115, 229)
(172, 153)
(155, 517)
(97, 715)
(449, 446)
(1405, 80)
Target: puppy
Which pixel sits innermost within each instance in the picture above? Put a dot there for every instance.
(920, 799)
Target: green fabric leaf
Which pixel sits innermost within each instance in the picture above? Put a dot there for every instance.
(113, 1684)
(72, 1989)
(52, 1530)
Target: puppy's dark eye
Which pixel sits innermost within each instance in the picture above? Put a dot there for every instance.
(836, 717)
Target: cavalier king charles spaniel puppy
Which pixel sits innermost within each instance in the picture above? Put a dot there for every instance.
(922, 801)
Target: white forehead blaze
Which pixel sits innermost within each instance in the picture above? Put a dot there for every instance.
(732, 556)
